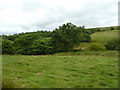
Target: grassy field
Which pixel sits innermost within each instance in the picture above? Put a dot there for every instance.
(99, 37)
(105, 36)
(81, 69)
(60, 71)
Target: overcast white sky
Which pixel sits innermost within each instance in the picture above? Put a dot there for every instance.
(18, 16)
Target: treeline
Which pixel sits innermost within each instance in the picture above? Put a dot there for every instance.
(62, 39)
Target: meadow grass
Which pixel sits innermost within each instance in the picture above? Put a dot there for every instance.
(104, 36)
(87, 52)
(99, 37)
(57, 71)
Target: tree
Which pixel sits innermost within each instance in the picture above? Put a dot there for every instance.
(33, 43)
(7, 47)
(66, 37)
(41, 46)
(23, 43)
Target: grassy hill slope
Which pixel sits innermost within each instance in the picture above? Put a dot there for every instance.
(99, 37)
(105, 36)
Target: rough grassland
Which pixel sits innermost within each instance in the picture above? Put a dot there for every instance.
(60, 71)
(105, 36)
(99, 37)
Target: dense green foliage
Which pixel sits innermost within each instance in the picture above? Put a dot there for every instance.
(45, 42)
(22, 44)
(62, 39)
(27, 43)
(41, 46)
(7, 47)
(67, 36)
(97, 47)
(113, 45)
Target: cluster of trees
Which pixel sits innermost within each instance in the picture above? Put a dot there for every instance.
(67, 36)
(27, 43)
(62, 39)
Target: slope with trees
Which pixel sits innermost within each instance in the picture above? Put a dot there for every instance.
(62, 39)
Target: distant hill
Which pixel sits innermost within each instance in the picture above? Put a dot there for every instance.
(107, 28)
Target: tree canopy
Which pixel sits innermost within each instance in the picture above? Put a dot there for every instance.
(66, 37)
(62, 39)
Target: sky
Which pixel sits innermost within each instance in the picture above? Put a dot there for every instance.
(17, 16)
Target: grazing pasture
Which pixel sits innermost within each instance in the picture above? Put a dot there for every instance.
(58, 71)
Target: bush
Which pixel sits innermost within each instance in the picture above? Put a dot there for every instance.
(33, 44)
(7, 46)
(43, 47)
(113, 45)
(23, 43)
(97, 47)
(112, 28)
(87, 38)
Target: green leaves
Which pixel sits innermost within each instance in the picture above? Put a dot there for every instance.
(32, 44)
(113, 45)
(7, 46)
(62, 39)
(67, 36)
(42, 46)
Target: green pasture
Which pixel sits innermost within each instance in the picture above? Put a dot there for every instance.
(57, 71)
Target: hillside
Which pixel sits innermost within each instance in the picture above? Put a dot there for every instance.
(99, 37)
(103, 37)
(81, 68)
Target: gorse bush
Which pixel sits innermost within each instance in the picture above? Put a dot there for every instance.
(113, 45)
(97, 47)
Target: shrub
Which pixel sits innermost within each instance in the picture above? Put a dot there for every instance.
(112, 28)
(113, 45)
(7, 46)
(43, 46)
(87, 38)
(97, 47)
(23, 43)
